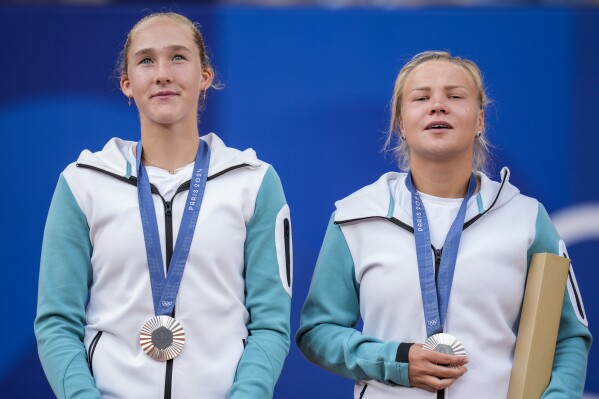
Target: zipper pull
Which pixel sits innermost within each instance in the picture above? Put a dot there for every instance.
(438, 254)
(168, 208)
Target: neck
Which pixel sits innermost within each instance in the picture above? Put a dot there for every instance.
(440, 179)
(169, 147)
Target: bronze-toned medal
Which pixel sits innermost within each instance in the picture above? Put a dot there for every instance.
(162, 338)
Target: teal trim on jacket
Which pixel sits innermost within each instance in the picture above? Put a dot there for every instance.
(267, 301)
(571, 352)
(327, 336)
(65, 275)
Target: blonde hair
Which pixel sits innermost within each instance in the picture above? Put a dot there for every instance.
(401, 150)
(122, 63)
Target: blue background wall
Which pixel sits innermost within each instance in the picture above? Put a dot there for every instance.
(308, 89)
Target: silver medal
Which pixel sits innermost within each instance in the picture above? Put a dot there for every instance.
(444, 343)
(162, 338)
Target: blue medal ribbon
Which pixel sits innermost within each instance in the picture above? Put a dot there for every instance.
(435, 294)
(165, 289)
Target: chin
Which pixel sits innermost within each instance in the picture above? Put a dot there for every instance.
(440, 154)
(164, 119)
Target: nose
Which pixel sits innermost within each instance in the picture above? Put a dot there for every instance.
(163, 74)
(438, 106)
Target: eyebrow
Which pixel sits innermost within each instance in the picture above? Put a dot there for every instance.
(172, 47)
(449, 87)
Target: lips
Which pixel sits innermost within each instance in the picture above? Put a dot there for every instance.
(436, 125)
(164, 94)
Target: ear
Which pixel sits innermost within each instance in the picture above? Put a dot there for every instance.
(481, 121)
(126, 87)
(207, 78)
(401, 131)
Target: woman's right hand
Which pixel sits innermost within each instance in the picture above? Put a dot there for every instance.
(434, 371)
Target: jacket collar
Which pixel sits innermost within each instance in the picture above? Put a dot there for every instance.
(389, 197)
(111, 158)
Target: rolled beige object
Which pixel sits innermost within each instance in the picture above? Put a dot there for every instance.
(539, 324)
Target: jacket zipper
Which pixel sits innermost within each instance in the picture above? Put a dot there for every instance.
(92, 349)
(438, 253)
(168, 231)
(168, 221)
(287, 251)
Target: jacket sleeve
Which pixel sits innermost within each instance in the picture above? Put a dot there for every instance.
(65, 275)
(574, 338)
(327, 335)
(268, 271)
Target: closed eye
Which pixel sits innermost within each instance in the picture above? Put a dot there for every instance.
(423, 98)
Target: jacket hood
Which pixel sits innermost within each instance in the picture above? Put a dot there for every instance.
(389, 197)
(111, 157)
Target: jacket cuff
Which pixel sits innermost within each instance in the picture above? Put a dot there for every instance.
(402, 352)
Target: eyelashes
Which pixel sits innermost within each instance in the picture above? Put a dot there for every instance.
(450, 97)
(149, 61)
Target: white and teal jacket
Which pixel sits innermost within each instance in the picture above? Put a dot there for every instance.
(367, 269)
(234, 298)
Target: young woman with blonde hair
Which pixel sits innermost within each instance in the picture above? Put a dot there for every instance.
(166, 263)
(435, 258)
